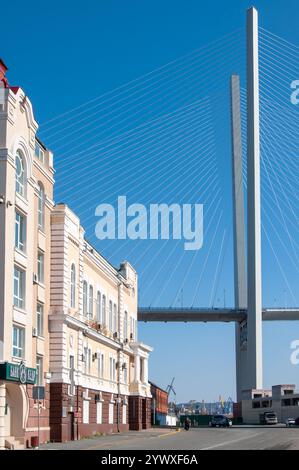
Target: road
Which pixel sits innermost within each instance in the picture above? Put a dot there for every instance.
(236, 438)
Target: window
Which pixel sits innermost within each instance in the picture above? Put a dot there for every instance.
(84, 298)
(111, 413)
(125, 374)
(126, 325)
(39, 153)
(73, 286)
(40, 319)
(99, 412)
(90, 303)
(87, 360)
(19, 288)
(124, 414)
(104, 309)
(20, 232)
(131, 328)
(18, 342)
(40, 267)
(39, 370)
(115, 318)
(99, 308)
(100, 365)
(72, 375)
(20, 174)
(41, 207)
(110, 316)
(112, 369)
(85, 411)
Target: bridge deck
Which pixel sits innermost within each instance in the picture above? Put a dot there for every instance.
(161, 314)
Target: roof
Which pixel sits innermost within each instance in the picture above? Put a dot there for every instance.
(156, 386)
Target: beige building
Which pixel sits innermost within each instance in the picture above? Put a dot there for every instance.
(68, 318)
(282, 399)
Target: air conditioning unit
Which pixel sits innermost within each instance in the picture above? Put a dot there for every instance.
(34, 332)
(35, 278)
(97, 397)
(95, 356)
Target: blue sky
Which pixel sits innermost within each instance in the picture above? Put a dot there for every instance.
(140, 129)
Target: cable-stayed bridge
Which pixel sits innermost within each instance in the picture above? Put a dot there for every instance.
(167, 135)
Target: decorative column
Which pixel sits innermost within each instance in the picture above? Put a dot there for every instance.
(137, 368)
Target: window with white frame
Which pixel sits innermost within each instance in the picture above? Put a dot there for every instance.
(99, 307)
(18, 342)
(20, 232)
(99, 417)
(133, 329)
(87, 360)
(126, 325)
(39, 152)
(124, 413)
(100, 365)
(39, 370)
(40, 319)
(73, 286)
(41, 207)
(85, 411)
(111, 413)
(115, 318)
(85, 300)
(104, 309)
(112, 363)
(41, 267)
(90, 301)
(125, 373)
(19, 288)
(110, 315)
(72, 375)
(20, 174)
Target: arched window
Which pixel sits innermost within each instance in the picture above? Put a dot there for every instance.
(90, 303)
(99, 307)
(126, 325)
(20, 175)
(110, 316)
(85, 298)
(73, 286)
(41, 207)
(104, 309)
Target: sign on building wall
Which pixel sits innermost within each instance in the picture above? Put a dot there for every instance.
(17, 373)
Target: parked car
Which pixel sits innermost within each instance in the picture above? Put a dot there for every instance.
(290, 422)
(269, 417)
(220, 421)
(297, 421)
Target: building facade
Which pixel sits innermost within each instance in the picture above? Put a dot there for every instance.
(159, 405)
(281, 399)
(68, 318)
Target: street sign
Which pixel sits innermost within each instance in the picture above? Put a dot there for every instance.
(38, 393)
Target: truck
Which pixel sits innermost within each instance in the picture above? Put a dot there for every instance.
(269, 417)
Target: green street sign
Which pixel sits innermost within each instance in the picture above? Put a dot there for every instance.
(17, 373)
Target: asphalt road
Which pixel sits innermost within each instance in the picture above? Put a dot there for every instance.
(237, 437)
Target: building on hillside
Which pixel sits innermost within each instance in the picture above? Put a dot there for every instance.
(68, 318)
(282, 399)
